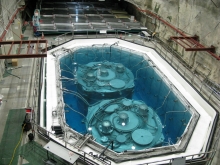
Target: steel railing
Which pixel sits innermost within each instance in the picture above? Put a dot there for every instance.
(173, 58)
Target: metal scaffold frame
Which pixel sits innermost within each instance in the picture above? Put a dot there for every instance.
(30, 49)
(189, 43)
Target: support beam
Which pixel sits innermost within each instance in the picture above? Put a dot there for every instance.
(22, 56)
(10, 48)
(23, 42)
(191, 40)
(211, 49)
(28, 47)
(37, 45)
(186, 37)
(19, 49)
(178, 42)
(29, 54)
(195, 42)
(182, 41)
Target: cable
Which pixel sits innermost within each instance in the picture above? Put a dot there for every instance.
(164, 100)
(214, 4)
(76, 94)
(12, 74)
(211, 31)
(192, 20)
(75, 111)
(12, 158)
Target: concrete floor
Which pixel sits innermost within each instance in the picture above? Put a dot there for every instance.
(18, 90)
(15, 90)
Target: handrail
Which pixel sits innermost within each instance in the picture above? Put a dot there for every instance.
(171, 60)
(192, 156)
(64, 34)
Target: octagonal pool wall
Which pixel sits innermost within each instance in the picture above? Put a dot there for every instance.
(195, 139)
(151, 86)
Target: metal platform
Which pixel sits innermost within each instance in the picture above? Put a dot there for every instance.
(47, 27)
(90, 11)
(64, 27)
(47, 20)
(99, 26)
(49, 12)
(82, 27)
(75, 11)
(79, 19)
(95, 18)
(57, 17)
(117, 25)
(102, 11)
(112, 20)
(62, 19)
(61, 11)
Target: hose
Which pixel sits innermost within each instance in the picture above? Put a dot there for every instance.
(12, 158)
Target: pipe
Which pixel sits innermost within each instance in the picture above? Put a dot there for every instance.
(111, 143)
(178, 31)
(10, 22)
(82, 144)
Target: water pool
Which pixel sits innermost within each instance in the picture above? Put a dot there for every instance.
(150, 87)
(172, 93)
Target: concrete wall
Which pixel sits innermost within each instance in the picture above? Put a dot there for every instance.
(194, 17)
(7, 8)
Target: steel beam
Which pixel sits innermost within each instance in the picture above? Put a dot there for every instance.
(29, 53)
(211, 49)
(28, 47)
(22, 56)
(183, 41)
(19, 49)
(180, 43)
(191, 40)
(10, 48)
(23, 42)
(186, 37)
(36, 49)
(178, 31)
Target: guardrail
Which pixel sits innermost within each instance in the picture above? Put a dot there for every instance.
(63, 38)
(88, 158)
(188, 160)
(171, 56)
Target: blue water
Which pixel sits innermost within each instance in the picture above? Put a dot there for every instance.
(150, 87)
